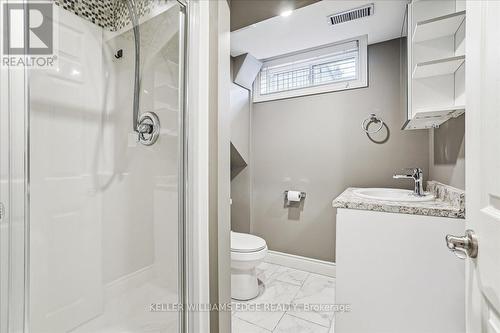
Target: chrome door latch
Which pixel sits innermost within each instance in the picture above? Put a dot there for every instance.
(463, 246)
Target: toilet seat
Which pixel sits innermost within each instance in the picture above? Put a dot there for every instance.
(246, 243)
(237, 257)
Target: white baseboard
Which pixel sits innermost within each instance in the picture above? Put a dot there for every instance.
(303, 263)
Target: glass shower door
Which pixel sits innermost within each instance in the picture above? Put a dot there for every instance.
(104, 216)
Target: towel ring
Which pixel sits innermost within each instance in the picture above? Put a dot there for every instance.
(372, 118)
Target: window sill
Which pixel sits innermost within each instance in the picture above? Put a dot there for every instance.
(311, 91)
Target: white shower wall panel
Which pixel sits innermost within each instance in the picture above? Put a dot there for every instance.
(66, 104)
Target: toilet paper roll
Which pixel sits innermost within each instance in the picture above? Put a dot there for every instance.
(293, 196)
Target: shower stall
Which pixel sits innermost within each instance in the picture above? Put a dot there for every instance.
(93, 173)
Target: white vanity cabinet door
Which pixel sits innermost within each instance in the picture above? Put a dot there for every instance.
(397, 274)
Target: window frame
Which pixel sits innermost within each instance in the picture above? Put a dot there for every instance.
(360, 82)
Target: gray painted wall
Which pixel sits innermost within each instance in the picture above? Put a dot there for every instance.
(240, 138)
(447, 153)
(241, 197)
(240, 120)
(219, 164)
(315, 144)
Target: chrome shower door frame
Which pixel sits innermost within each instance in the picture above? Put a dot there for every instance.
(14, 194)
(183, 169)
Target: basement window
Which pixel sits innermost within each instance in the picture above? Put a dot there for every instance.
(334, 67)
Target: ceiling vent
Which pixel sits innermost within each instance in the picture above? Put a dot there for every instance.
(351, 14)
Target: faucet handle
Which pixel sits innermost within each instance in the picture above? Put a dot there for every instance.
(415, 171)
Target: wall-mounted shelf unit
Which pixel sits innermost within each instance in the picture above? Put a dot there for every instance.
(436, 62)
(446, 25)
(437, 67)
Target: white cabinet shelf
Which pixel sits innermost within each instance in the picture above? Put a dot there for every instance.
(442, 26)
(432, 112)
(431, 117)
(438, 67)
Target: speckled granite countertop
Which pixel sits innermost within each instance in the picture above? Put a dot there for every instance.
(449, 202)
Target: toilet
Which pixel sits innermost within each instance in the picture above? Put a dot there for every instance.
(247, 251)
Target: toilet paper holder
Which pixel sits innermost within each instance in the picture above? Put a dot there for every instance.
(302, 195)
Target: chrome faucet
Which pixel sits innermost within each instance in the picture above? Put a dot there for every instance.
(418, 176)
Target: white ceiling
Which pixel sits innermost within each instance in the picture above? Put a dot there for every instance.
(308, 27)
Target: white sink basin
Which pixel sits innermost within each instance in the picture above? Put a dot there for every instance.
(391, 194)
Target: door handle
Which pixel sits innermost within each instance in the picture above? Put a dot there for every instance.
(463, 246)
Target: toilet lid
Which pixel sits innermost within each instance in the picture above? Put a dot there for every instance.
(246, 242)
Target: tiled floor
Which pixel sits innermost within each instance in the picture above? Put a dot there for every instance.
(284, 285)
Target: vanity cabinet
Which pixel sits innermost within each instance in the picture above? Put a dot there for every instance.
(435, 62)
(397, 274)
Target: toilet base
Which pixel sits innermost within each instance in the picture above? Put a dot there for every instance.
(244, 284)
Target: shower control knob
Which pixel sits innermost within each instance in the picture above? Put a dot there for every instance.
(148, 128)
(463, 246)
